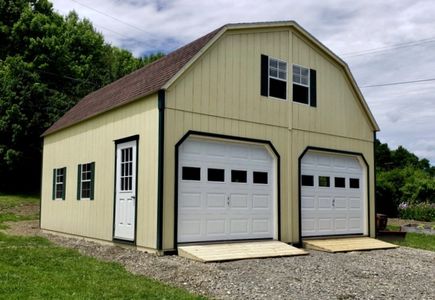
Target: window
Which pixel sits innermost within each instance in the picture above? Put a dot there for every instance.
(217, 175)
(324, 181)
(59, 181)
(191, 173)
(85, 181)
(340, 182)
(354, 183)
(304, 85)
(260, 177)
(238, 176)
(126, 176)
(307, 180)
(273, 77)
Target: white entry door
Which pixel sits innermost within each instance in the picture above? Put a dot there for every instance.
(225, 191)
(332, 195)
(125, 203)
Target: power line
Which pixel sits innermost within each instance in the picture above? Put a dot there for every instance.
(109, 16)
(398, 83)
(386, 48)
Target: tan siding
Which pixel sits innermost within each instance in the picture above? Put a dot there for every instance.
(226, 79)
(338, 112)
(226, 100)
(93, 140)
(187, 121)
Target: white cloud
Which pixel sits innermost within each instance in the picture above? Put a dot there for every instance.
(406, 113)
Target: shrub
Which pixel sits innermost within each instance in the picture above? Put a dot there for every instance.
(419, 212)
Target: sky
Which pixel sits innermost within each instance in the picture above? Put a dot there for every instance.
(383, 42)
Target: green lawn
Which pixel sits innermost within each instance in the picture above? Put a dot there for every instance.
(32, 267)
(415, 240)
(35, 268)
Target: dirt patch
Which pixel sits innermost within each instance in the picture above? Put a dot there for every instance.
(27, 228)
(23, 210)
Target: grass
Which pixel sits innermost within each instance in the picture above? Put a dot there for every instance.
(32, 267)
(11, 201)
(8, 202)
(415, 240)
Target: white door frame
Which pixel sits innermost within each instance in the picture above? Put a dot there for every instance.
(365, 185)
(232, 139)
(127, 233)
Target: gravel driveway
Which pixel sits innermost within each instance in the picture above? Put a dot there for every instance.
(402, 273)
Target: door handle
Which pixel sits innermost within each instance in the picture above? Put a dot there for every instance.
(228, 200)
(333, 202)
(133, 197)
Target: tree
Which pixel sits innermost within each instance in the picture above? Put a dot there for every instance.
(401, 177)
(47, 63)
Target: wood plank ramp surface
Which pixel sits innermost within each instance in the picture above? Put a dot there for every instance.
(236, 251)
(347, 244)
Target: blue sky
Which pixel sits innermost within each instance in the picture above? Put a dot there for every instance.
(382, 41)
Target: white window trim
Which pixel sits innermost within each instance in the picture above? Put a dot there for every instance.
(86, 180)
(269, 76)
(300, 84)
(58, 182)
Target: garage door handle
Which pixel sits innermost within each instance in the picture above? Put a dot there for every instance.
(228, 200)
(333, 202)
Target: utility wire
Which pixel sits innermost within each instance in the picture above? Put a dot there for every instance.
(386, 48)
(110, 16)
(398, 83)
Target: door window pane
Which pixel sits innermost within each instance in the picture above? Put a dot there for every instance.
(238, 176)
(217, 175)
(260, 177)
(191, 173)
(354, 183)
(324, 181)
(307, 180)
(340, 182)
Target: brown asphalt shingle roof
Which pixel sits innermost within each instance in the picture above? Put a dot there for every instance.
(140, 83)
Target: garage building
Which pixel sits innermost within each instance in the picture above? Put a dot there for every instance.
(253, 131)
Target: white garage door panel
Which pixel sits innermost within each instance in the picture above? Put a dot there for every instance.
(224, 210)
(331, 210)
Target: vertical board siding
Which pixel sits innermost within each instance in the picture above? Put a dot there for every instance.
(93, 140)
(220, 93)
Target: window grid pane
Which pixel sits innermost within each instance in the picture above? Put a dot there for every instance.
(277, 69)
(86, 175)
(60, 184)
(126, 177)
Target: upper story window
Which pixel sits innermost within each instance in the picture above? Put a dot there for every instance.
(85, 181)
(273, 77)
(59, 180)
(304, 85)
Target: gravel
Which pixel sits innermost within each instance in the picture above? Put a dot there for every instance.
(403, 273)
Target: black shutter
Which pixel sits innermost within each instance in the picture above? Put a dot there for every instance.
(79, 174)
(313, 88)
(92, 180)
(264, 75)
(64, 184)
(53, 195)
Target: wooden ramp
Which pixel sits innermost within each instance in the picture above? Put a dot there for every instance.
(235, 251)
(347, 244)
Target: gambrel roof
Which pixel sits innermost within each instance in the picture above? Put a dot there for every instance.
(163, 72)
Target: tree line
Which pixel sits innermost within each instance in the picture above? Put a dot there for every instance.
(47, 63)
(401, 178)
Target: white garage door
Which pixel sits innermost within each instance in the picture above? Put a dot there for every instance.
(332, 197)
(225, 191)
